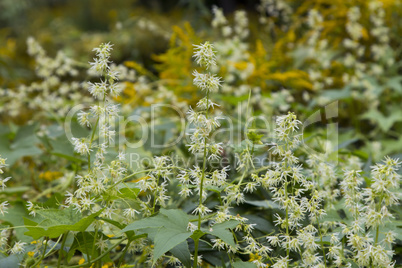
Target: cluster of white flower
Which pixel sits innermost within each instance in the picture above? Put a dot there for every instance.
(155, 189)
(204, 123)
(240, 29)
(324, 177)
(241, 26)
(101, 179)
(353, 28)
(314, 21)
(318, 49)
(289, 186)
(18, 248)
(275, 12)
(360, 57)
(381, 54)
(4, 204)
(51, 93)
(154, 28)
(101, 116)
(219, 20)
(368, 208)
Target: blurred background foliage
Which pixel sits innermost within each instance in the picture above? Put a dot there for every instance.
(292, 55)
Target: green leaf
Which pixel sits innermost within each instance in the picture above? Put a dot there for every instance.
(68, 157)
(15, 190)
(384, 122)
(83, 242)
(197, 234)
(395, 83)
(24, 144)
(182, 252)
(391, 145)
(152, 222)
(14, 217)
(261, 223)
(220, 230)
(54, 222)
(115, 223)
(176, 216)
(254, 137)
(172, 229)
(173, 218)
(337, 94)
(11, 261)
(263, 203)
(354, 265)
(242, 264)
(168, 238)
(232, 99)
(394, 226)
(129, 190)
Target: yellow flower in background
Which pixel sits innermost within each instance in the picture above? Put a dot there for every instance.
(50, 175)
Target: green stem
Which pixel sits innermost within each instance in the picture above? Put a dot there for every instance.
(287, 223)
(343, 247)
(86, 248)
(124, 254)
(156, 192)
(377, 231)
(195, 263)
(90, 143)
(43, 254)
(322, 244)
(63, 242)
(93, 244)
(99, 257)
(201, 191)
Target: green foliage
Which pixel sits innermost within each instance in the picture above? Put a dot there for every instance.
(171, 232)
(75, 191)
(54, 222)
(18, 144)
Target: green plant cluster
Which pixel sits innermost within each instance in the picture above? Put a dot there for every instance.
(262, 138)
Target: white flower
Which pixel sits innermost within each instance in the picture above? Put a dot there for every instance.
(103, 51)
(273, 240)
(191, 227)
(219, 19)
(97, 90)
(17, 248)
(83, 119)
(121, 156)
(203, 105)
(204, 55)
(114, 75)
(3, 182)
(99, 65)
(31, 208)
(281, 263)
(101, 244)
(130, 212)
(115, 89)
(81, 146)
(3, 207)
(226, 30)
(218, 244)
(185, 192)
(97, 110)
(112, 110)
(208, 82)
(201, 209)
